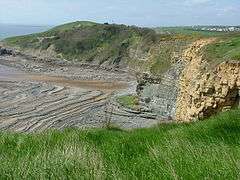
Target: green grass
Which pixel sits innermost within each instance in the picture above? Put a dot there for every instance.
(225, 48)
(120, 46)
(73, 25)
(89, 42)
(163, 60)
(204, 150)
(111, 45)
(129, 101)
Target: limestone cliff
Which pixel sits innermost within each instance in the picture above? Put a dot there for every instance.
(204, 92)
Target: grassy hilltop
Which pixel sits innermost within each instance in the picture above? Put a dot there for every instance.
(106, 45)
(203, 150)
(90, 42)
(112, 45)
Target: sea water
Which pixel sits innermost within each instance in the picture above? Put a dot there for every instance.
(17, 30)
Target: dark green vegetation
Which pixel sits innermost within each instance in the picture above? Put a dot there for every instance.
(203, 150)
(108, 45)
(223, 49)
(91, 42)
(140, 49)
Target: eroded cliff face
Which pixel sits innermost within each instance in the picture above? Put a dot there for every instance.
(203, 92)
(160, 97)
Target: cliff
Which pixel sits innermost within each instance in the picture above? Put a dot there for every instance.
(204, 92)
(198, 84)
(181, 76)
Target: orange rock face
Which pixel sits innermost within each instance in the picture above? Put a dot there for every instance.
(203, 94)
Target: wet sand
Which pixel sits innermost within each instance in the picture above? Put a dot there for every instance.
(11, 74)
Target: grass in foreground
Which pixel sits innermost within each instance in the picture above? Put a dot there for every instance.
(203, 150)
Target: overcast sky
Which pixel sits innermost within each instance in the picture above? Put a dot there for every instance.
(132, 12)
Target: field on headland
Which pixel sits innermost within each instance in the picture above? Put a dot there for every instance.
(203, 150)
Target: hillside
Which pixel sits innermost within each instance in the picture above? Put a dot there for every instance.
(107, 45)
(112, 45)
(89, 42)
(182, 73)
(203, 150)
(224, 48)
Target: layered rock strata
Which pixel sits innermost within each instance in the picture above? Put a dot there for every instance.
(205, 92)
(161, 97)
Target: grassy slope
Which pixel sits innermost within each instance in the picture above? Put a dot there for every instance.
(226, 47)
(90, 42)
(208, 149)
(223, 49)
(141, 49)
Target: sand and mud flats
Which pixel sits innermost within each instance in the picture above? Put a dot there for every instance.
(35, 96)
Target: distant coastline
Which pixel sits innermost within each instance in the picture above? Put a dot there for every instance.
(8, 30)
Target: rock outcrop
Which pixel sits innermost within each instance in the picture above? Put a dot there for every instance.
(5, 51)
(145, 79)
(204, 92)
(159, 94)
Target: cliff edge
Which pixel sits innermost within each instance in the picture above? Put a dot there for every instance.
(204, 91)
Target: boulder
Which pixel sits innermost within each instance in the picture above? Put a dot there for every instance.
(5, 51)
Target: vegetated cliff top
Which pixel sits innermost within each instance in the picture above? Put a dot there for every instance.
(224, 48)
(112, 45)
(109, 45)
(90, 42)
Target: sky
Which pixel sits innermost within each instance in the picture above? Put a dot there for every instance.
(148, 13)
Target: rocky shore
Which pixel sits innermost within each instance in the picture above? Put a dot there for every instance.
(43, 94)
(5, 51)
